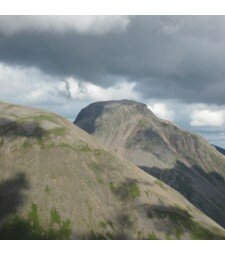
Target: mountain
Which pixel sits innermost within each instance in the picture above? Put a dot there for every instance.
(183, 160)
(58, 182)
(221, 150)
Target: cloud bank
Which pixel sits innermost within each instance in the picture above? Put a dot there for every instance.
(208, 118)
(174, 64)
(29, 86)
(161, 110)
(10, 25)
(169, 57)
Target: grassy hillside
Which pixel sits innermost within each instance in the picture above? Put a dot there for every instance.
(185, 161)
(58, 182)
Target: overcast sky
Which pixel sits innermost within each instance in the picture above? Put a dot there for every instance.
(174, 64)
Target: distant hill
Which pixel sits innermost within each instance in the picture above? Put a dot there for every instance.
(183, 160)
(58, 182)
(221, 150)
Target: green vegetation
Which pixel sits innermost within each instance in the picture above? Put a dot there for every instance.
(95, 167)
(179, 233)
(152, 236)
(1, 142)
(83, 148)
(142, 123)
(57, 131)
(112, 186)
(182, 221)
(167, 237)
(42, 117)
(97, 236)
(199, 232)
(140, 234)
(41, 143)
(125, 190)
(65, 145)
(97, 152)
(134, 190)
(27, 144)
(104, 224)
(33, 217)
(47, 190)
(159, 183)
(55, 217)
(100, 180)
(30, 128)
(17, 227)
(109, 222)
(98, 171)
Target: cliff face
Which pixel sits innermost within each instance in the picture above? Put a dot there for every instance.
(183, 160)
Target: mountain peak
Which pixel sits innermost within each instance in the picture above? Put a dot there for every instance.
(118, 110)
(120, 102)
(183, 160)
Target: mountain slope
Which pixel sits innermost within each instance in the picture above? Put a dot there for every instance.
(221, 150)
(183, 160)
(58, 182)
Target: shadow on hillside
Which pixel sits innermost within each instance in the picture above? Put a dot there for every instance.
(171, 220)
(10, 128)
(204, 190)
(87, 117)
(11, 195)
(143, 182)
(179, 221)
(17, 226)
(122, 229)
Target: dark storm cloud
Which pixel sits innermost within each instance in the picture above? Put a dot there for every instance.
(173, 57)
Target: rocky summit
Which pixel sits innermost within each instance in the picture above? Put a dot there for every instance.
(183, 160)
(59, 182)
